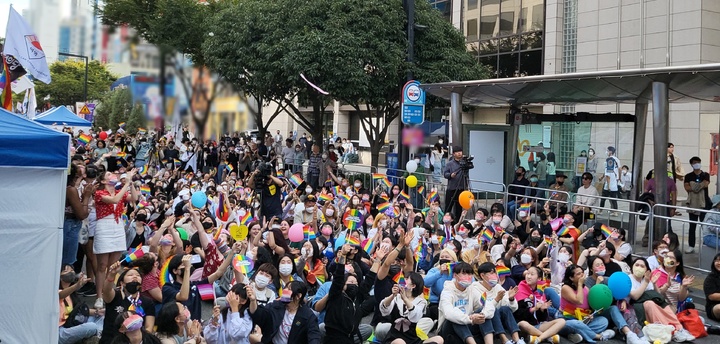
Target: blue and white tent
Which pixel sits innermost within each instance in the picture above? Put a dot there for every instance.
(59, 117)
(33, 167)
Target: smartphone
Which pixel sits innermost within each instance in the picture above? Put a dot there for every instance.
(195, 259)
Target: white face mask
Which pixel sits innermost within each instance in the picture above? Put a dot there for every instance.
(356, 202)
(383, 223)
(563, 258)
(434, 240)
(261, 281)
(525, 258)
(696, 166)
(329, 212)
(308, 190)
(358, 184)
(309, 209)
(305, 252)
(284, 269)
(603, 253)
(250, 255)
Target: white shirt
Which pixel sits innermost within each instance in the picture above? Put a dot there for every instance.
(282, 336)
(582, 196)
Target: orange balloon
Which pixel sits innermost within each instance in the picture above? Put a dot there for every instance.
(466, 199)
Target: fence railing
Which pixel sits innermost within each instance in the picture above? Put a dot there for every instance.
(626, 214)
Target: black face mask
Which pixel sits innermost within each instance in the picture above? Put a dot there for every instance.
(535, 240)
(71, 277)
(207, 225)
(518, 174)
(560, 183)
(132, 287)
(351, 290)
(418, 219)
(543, 217)
(141, 217)
(394, 269)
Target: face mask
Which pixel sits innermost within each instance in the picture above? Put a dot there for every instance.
(434, 240)
(285, 269)
(563, 258)
(207, 225)
(504, 242)
(492, 281)
(383, 223)
(329, 212)
(603, 253)
(305, 252)
(69, 278)
(639, 272)
(297, 149)
(366, 199)
(518, 174)
(670, 262)
(133, 323)
(358, 184)
(450, 247)
(525, 258)
(447, 220)
(324, 156)
(440, 141)
(591, 153)
(465, 281)
(141, 217)
(624, 172)
(560, 183)
(600, 271)
(478, 218)
(443, 261)
(534, 180)
(496, 220)
(309, 209)
(696, 166)
(663, 252)
(256, 205)
(261, 281)
(132, 287)
(326, 231)
(462, 233)
(535, 240)
(250, 255)
(356, 202)
(395, 192)
(308, 190)
(351, 290)
(566, 220)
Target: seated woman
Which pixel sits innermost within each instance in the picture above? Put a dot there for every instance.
(576, 310)
(711, 287)
(174, 325)
(670, 280)
(130, 327)
(288, 320)
(405, 307)
(711, 230)
(436, 278)
(126, 296)
(532, 315)
(461, 307)
(235, 326)
(70, 283)
(641, 283)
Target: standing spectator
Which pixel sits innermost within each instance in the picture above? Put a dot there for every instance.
(436, 157)
(696, 184)
(611, 177)
(76, 210)
(299, 159)
(541, 170)
(626, 181)
(591, 165)
(517, 191)
(673, 164)
(278, 141)
(327, 167)
(457, 182)
(288, 156)
(550, 178)
(313, 175)
(143, 153)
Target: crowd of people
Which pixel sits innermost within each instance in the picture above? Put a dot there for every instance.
(153, 230)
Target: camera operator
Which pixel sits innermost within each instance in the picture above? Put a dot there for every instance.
(144, 150)
(271, 195)
(457, 182)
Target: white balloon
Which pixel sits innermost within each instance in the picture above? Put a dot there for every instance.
(411, 166)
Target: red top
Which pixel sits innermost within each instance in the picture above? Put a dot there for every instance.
(105, 209)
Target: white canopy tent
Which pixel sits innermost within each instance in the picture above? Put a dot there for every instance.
(33, 167)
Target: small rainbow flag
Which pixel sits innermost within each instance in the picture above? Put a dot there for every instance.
(222, 212)
(165, 277)
(337, 190)
(145, 189)
(487, 234)
(502, 271)
(483, 298)
(84, 139)
(376, 176)
(245, 219)
(399, 278)
(326, 197)
(308, 232)
(352, 219)
(420, 251)
(143, 170)
(426, 293)
(442, 241)
(432, 197)
(279, 174)
(351, 240)
(386, 181)
(121, 155)
(525, 207)
(134, 254)
(404, 195)
(295, 180)
(121, 125)
(605, 230)
(344, 197)
(242, 264)
(125, 219)
(542, 284)
(548, 240)
(396, 212)
(383, 207)
(421, 189)
(137, 309)
(177, 163)
(229, 168)
(141, 131)
(368, 246)
(563, 231)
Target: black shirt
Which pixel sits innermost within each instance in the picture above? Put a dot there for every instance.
(171, 154)
(271, 201)
(698, 178)
(118, 305)
(516, 187)
(193, 303)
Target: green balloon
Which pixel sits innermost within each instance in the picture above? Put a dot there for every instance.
(600, 297)
(183, 234)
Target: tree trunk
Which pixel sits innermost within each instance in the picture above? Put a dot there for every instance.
(375, 148)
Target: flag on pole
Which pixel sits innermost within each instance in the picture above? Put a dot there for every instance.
(30, 103)
(6, 95)
(22, 43)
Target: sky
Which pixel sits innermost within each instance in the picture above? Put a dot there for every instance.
(19, 6)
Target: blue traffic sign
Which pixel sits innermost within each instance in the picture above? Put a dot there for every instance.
(413, 103)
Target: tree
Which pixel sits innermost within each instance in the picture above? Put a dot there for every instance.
(354, 49)
(68, 82)
(114, 108)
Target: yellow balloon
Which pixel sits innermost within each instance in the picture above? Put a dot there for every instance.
(411, 181)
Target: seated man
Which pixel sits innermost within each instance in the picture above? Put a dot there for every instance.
(461, 307)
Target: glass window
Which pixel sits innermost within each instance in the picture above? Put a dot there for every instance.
(487, 26)
(506, 23)
(472, 4)
(508, 65)
(472, 29)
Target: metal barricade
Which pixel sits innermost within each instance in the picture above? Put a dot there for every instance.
(630, 215)
(355, 171)
(702, 259)
(537, 197)
(487, 192)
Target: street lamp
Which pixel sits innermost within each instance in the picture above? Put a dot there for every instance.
(86, 70)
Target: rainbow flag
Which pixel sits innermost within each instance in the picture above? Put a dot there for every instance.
(547, 240)
(145, 190)
(351, 240)
(84, 139)
(121, 155)
(352, 219)
(295, 180)
(487, 235)
(383, 207)
(386, 181)
(337, 190)
(229, 168)
(442, 241)
(245, 219)
(6, 88)
(326, 197)
(565, 230)
(525, 207)
(368, 246)
(125, 219)
(483, 298)
(605, 230)
(399, 278)
(137, 310)
(420, 251)
(426, 293)
(177, 163)
(308, 232)
(376, 176)
(502, 271)
(542, 284)
(421, 189)
(242, 264)
(165, 277)
(433, 196)
(134, 254)
(344, 197)
(206, 292)
(121, 125)
(141, 131)
(143, 171)
(396, 212)
(279, 174)
(222, 212)
(404, 195)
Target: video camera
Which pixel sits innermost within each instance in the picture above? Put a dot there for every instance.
(264, 170)
(466, 163)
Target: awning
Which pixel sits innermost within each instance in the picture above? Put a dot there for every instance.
(685, 84)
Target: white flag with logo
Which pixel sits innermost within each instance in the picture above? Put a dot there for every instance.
(22, 43)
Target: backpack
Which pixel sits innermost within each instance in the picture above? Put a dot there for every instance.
(78, 316)
(690, 320)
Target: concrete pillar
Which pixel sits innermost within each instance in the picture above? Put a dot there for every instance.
(456, 119)
(661, 114)
(641, 109)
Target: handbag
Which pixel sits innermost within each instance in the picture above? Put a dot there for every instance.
(690, 320)
(78, 316)
(658, 333)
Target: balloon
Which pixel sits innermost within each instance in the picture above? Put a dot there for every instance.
(411, 166)
(295, 233)
(238, 232)
(102, 135)
(182, 233)
(340, 241)
(199, 199)
(466, 199)
(600, 297)
(620, 285)
(556, 224)
(411, 181)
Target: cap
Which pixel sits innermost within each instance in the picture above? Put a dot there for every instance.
(456, 149)
(123, 176)
(560, 174)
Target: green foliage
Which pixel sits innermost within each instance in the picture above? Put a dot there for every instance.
(68, 82)
(114, 108)
(136, 120)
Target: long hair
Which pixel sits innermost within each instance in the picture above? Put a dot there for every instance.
(165, 320)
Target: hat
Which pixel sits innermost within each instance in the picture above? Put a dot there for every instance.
(456, 149)
(309, 198)
(715, 200)
(560, 174)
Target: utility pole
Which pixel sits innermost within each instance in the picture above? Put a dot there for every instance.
(403, 152)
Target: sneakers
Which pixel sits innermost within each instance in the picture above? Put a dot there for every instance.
(534, 340)
(99, 303)
(553, 340)
(520, 341)
(575, 338)
(632, 338)
(690, 250)
(509, 342)
(682, 336)
(88, 290)
(607, 335)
